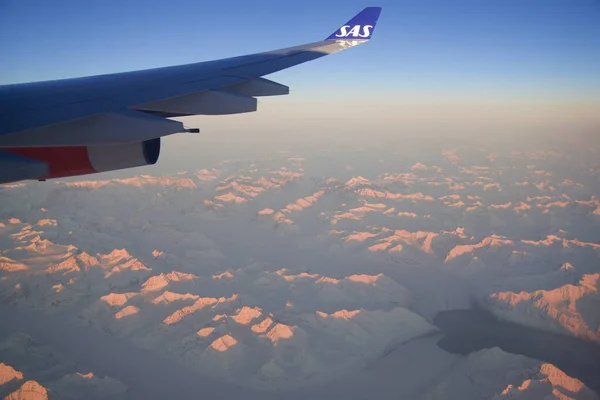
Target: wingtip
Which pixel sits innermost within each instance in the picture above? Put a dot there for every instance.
(360, 27)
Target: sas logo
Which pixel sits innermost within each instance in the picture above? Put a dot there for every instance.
(355, 31)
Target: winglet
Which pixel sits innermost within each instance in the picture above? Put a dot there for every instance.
(360, 27)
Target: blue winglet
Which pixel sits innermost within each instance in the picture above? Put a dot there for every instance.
(360, 27)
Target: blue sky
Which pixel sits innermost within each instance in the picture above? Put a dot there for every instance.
(507, 48)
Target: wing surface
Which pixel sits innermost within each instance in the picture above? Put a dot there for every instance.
(136, 106)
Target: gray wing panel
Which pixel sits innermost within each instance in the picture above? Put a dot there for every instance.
(27, 113)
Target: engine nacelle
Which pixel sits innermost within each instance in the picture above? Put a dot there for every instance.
(82, 160)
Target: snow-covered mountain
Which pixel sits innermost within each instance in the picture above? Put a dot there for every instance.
(572, 308)
(288, 272)
(494, 374)
(34, 370)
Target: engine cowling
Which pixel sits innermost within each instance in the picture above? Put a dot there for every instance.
(82, 160)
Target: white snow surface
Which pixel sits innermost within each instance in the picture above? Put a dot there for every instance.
(494, 374)
(286, 274)
(46, 373)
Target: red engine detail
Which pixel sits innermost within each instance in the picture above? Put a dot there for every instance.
(81, 160)
(62, 161)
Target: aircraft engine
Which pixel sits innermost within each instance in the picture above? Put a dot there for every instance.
(80, 160)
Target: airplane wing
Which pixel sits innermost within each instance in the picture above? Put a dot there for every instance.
(100, 123)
